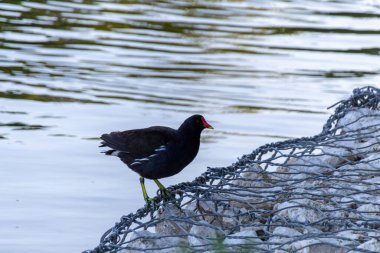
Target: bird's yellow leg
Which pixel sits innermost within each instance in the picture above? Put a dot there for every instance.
(146, 198)
(165, 192)
(158, 183)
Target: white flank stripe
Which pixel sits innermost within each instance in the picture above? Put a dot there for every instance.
(142, 159)
(160, 148)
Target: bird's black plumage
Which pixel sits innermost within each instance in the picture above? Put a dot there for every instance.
(157, 152)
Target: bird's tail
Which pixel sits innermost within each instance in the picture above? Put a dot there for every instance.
(111, 152)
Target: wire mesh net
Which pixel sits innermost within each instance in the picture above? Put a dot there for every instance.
(316, 194)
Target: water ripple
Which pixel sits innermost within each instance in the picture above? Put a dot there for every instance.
(71, 70)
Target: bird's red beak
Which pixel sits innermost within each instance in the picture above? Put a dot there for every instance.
(205, 124)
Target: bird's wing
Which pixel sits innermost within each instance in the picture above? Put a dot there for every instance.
(139, 142)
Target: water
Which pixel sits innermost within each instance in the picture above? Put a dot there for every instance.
(259, 71)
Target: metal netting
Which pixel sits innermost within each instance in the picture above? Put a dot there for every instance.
(316, 194)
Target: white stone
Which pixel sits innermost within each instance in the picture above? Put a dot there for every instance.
(302, 210)
(366, 167)
(370, 211)
(252, 199)
(203, 233)
(360, 199)
(372, 245)
(282, 235)
(207, 210)
(324, 245)
(375, 181)
(321, 161)
(364, 125)
(233, 217)
(374, 234)
(371, 145)
(287, 237)
(253, 189)
(169, 223)
(247, 238)
(351, 236)
(363, 120)
(285, 231)
(311, 230)
(145, 240)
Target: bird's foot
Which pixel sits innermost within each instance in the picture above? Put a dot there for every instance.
(166, 194)
(150, 202)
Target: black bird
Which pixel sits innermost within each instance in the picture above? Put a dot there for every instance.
(157, 152)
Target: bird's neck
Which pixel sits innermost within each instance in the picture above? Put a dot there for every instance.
(187, 131)
(190, 137)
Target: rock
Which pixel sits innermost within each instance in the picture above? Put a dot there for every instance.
(361, 120)
(290, 240)
(282, 171)
(312, 187)
(335, 156)
(234, 217)
(145, 240)
(323, 245)
(302, 211)
(371, 245)
(256, 227)
(252, 176)
(370, 212)
(204, 234)
(285, 231)
(191, 207)
(368, 146)
(322, 216)
(211, 212)
(242, 237)
(244, 240)
(375, 234)
(252, 189)
(373, 182)
(367, 168)
(322, 161)
(169, 222)
(364, 124)
(252, 199)
(351, 237)
(311, 230)
(280, 236)
(220, 212)
(360, 199)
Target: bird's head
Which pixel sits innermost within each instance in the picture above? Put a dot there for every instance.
(195, 123)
